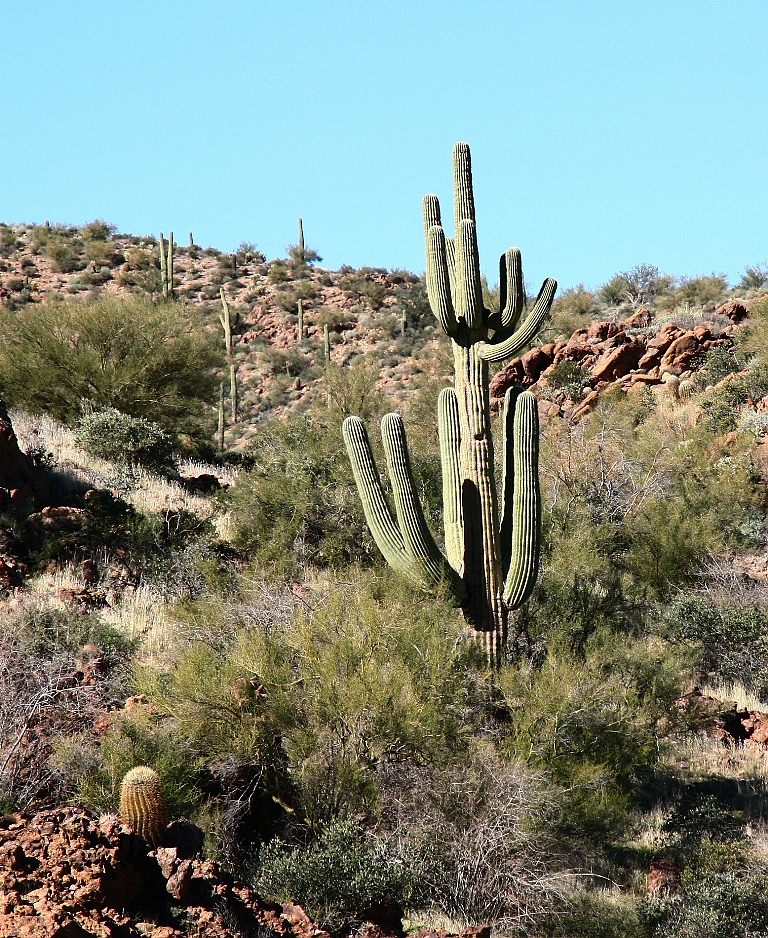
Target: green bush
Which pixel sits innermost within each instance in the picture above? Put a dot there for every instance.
(342, 879)
(722, 407)
(569, 378)
(729, 638)
(713, 905)
(299, 505)
(117, 437)
(151, 361)
(318, 699)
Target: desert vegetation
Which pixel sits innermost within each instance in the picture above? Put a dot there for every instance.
(199, 626)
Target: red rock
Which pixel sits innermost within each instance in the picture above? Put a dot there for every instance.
(685, 344)
(617, 362)
(650, 359)
(534, 362)
(735, 310)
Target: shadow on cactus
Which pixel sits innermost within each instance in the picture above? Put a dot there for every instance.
(490, 562)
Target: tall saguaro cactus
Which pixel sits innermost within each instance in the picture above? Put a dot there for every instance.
(491, 557)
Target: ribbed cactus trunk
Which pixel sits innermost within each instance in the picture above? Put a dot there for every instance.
(481, 565)
(491, 555)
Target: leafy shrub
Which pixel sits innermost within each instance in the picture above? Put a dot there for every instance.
(317, 699)
(592, 721)
(300, 481)
(729, 638)
(137, 738)
(571, 310)
(112, 435)
(569, 378)
(146, 360)
(754, 277)
(65, 254)
(98, 230)
(638, 286)
(719, 362)
(713, 905)
(342, 878)
(723, 405)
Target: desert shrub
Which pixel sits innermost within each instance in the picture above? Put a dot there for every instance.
(718, 363)
(98, 230)
(250, 253)
(752, 338)
(595, 914)
(288, 297)
(101, 253)
(639, 286)
(145, 360)
(362, 283)
(352, 390)
(342, 878)
(64, 255)
(754, 277)
(729, 639)
(112, 435)
(39, 651)
(299, 504)
(290, 361)
(317, 699)
(140, 737)
(722, 406)
(479, 828)
(330, 316)
(278, 272)
(569, 378)
(700, 291)
(713, 905)
(413, 303)
(592, 722)
(571, 310)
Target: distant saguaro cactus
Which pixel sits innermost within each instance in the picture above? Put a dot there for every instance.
(301, 249)
(490, 563)
(166, 267)
(142, 804)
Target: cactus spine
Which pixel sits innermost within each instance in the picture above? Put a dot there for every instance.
(166, 267)
(142, 804)
(490, 562)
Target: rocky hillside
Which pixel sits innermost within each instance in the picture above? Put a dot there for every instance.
(622, 341)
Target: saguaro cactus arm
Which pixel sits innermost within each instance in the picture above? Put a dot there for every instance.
(524, 334)
(406, 542)
(449, 429)
(520, 539)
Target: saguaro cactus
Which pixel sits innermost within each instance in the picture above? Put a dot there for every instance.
(490, 562)
(142, 804)
(225, 318)
(166, 267)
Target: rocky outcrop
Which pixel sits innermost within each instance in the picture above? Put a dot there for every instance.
(621, 354)
(66, 875)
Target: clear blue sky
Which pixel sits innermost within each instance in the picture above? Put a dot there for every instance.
(604, 133)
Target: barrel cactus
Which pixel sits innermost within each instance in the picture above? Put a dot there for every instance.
(142, 804)
(491, 558)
